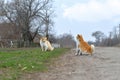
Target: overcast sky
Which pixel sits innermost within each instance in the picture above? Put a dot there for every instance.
(86, 16)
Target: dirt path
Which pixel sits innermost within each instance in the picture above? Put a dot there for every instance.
(104, 64)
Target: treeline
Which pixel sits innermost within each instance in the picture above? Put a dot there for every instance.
(65, 40)
(112, 40)
(30, 17)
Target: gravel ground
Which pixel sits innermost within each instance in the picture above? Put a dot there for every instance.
(104, 64)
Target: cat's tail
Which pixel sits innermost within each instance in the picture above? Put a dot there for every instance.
(93, 48)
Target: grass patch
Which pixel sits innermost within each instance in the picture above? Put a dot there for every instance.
(14, 62)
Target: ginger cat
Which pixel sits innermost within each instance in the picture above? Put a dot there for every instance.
(45, 44)
(83, 46)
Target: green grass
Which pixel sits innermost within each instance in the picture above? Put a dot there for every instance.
(14, 62)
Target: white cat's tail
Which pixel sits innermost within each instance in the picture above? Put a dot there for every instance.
(93, 48)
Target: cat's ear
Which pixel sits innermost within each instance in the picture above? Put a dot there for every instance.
(78, 35)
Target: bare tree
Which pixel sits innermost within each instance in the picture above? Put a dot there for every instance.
(26, 15)
(48, 21)
(119, 33)
(115, 38)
